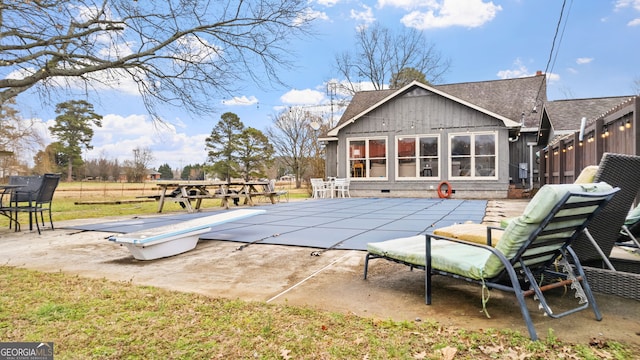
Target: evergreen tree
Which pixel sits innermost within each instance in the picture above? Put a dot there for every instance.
(223, 145)
(255, 153)
(73, 130)
(165, 172)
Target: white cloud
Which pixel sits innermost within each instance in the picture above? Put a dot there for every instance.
(310, 15)
(191, 49)
(621, 4)
(241, 101)
(583, 60)
(119, 135)
(444, 13)
(520, 70)
(364, 17)
(408, 4)
(303, 97)
(328, 3)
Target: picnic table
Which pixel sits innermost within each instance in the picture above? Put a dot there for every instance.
(185, 192)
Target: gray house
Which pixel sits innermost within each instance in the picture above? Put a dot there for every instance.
(476, 139)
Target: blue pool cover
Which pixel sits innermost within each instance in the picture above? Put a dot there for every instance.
(347, 224)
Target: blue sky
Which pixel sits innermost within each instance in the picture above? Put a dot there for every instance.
(595, 55)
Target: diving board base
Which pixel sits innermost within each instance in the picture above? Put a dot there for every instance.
(163, 249)
(169, 240)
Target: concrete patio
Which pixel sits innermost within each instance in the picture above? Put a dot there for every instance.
(327, 278)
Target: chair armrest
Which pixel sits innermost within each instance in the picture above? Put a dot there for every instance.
(489, 228)
(503, 259)
(30, 194)
(459, 241)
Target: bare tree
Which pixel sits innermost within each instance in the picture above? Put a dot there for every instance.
(378, 53)
(178, 52)
(137, 168)
(18, 136)
(294, 139)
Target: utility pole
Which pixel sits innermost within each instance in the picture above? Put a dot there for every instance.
(331, 92)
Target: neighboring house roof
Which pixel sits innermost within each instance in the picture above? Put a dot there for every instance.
(561, 117)
(468, 94)
(567, 114)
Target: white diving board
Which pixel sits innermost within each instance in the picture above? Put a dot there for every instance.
(175, 239)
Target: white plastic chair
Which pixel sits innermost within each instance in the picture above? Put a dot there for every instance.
(341, 187)
(319, 188)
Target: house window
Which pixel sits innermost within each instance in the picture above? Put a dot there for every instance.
(473, 155)
(368, 158)
(417, 156)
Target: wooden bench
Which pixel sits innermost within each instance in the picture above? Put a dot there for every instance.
(154, 197)
(235, 196)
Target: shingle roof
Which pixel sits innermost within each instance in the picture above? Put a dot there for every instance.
(509, 98)
(567, 114)
(363, 100)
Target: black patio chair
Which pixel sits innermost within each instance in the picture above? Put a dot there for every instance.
(36, 201)
(29, 186)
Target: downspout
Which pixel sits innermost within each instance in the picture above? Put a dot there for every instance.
(531, 144)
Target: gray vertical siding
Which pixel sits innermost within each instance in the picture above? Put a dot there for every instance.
(422, 113)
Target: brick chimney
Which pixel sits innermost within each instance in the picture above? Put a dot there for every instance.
(539, 73)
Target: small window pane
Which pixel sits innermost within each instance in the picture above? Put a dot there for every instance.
(461, 145)
(377, 148)
(429, 146)
(406, 147)
(485, 144)
(429, 167)
(357, 149)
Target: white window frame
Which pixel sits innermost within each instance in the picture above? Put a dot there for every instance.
(367, 158)
(473, 156)
(417, 157)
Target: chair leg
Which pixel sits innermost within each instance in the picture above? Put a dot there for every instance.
(427, 271)
(585, 284)
(50, 218)
(37, 221)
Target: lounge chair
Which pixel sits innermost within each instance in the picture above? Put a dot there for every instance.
(594, 247)
(630, 229)
(540, 237)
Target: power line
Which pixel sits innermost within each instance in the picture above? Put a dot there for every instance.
(553, 45)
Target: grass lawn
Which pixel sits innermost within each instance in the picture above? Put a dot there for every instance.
(101, 319)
